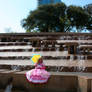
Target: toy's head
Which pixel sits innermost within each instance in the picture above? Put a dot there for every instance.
(40, 60)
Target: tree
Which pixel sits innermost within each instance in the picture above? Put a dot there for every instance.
(57, 18)
(78, 17)
(88, 9)
(47, 18)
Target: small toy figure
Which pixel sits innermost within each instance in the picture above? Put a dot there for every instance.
(39, 74)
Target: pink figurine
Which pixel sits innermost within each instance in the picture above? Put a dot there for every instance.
(39, 74)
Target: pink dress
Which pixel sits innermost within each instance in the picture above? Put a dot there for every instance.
(38, 75)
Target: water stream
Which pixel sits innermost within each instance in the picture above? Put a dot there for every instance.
(81, 63)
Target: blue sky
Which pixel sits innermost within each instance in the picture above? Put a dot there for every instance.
(13, 11)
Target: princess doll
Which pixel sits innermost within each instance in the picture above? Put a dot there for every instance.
(38, 75)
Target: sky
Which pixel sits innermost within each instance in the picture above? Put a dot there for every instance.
(13, 11)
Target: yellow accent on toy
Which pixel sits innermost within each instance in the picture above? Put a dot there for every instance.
(35, 58)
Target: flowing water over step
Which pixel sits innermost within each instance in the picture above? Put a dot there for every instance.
(61, 53)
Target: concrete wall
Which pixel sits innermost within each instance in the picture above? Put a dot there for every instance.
(84, 84)
(58, 82)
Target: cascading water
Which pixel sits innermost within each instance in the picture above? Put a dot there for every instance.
(15, 67)
(81, 63)
(58, 67)
(71, 59)
(33, 49)
(42, 46)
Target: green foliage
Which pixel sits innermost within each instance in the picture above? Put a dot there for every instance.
(88, 9)
(78, 17)
(57, 18)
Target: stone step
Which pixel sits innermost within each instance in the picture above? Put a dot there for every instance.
(82, 42)
(49, 62)
(27, 56)
(50, 53)
(16, 50)
(14, 43)
(15, 47)
(63, 82)
(3, 90)
(20, 49)
(49, 68)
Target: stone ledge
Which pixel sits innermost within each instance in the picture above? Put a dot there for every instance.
(58, 82)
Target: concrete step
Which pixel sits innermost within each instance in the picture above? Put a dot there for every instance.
(3, 90)
(63, 82)
(15, 47)
(50, 53)
(49, 68)
(80, 63)
(14, 43)
(39, 49)
(27, 56)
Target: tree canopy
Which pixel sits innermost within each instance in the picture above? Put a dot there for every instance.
(57, 18)
(88, 9)
(78, 17)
